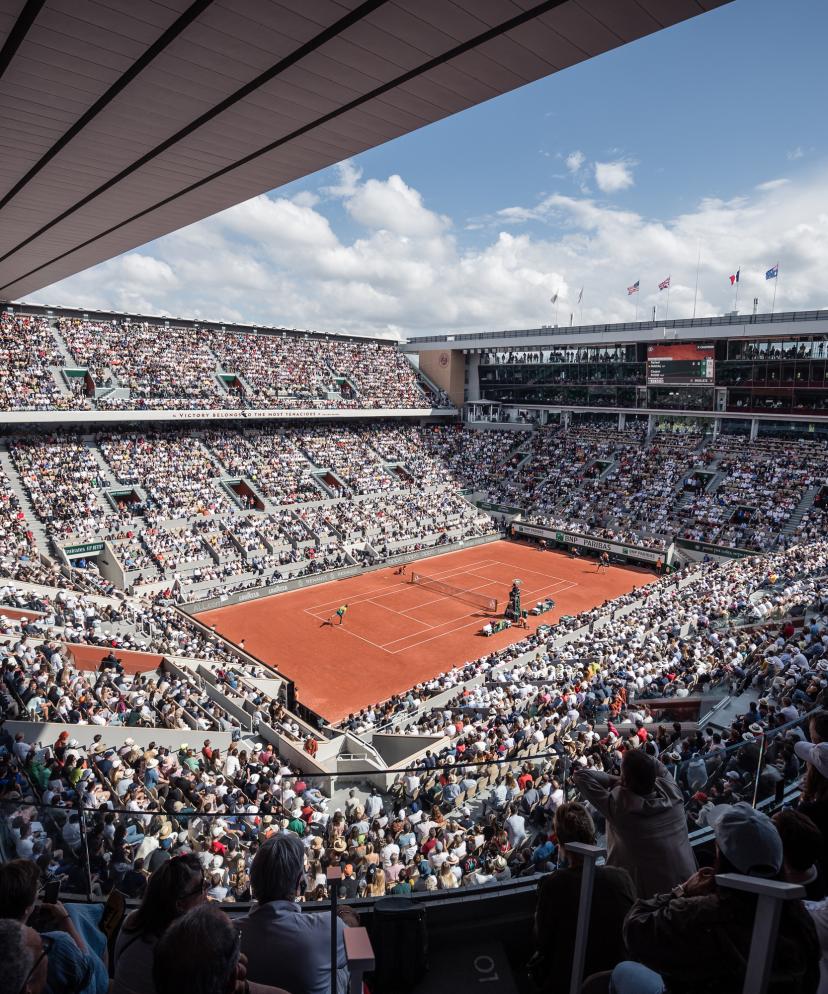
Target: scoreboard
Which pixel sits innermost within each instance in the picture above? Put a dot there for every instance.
(687, 364)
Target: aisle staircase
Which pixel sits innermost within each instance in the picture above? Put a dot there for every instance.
(801, 509)
(43, 542)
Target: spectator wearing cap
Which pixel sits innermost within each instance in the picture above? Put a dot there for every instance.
(283, 946)
(556, 913)
(646, 823)
(199, 954)
(177, 886)
(697, 937)
(348, 886)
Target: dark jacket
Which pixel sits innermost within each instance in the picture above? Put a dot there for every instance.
(700, 945)
(556, 922)
(645, 835)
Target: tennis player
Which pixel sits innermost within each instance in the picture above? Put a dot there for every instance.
(341, 612)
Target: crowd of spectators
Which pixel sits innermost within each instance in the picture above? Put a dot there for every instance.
(528, 730)
(28, 354)
(163, 368)
(135, 365)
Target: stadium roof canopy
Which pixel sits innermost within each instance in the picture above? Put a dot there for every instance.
(122, 121)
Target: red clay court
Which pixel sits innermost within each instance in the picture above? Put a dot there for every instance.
(396, 633)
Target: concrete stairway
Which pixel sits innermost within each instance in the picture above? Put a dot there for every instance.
(106, 475)
(801, 509)
(62, 347)
(37, 529)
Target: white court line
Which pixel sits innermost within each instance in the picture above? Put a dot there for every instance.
(367, 594)
(404, 614)
(445, 574)
(460, 628)
(417, 645)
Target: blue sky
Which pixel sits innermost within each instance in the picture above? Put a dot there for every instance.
(708, 134)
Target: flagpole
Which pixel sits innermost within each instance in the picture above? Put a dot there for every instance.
(736, 300)
(696, 291)
(581, 302)
(775, 284)
(667, 311)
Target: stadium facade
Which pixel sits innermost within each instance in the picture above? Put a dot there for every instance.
(735, 371)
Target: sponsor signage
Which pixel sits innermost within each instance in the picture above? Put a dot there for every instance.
(83, 550)
(197, 607)
(585, 542)
(486, 505)
(714, 550)
(246, 414)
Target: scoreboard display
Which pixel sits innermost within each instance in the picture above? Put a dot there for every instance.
(681, 363)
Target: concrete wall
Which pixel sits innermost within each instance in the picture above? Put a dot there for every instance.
(447, 368)
(47, 733)
(398, 750)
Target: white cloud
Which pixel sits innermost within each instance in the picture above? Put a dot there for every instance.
(392, 205)
(306, 198)
(795, 153)
(613, 176)
(772, 184)
(273, 260)
(349, 177)
(574, 161)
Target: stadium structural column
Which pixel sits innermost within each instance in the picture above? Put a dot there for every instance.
(590, 855)
(622, 421)
(334, 875)
(651, 425)
(770, 894)
(754, 429)
(717, 427)
(566, 418)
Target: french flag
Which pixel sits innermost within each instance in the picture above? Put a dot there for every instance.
(734, 277)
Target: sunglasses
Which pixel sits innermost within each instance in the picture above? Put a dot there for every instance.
(47, 945)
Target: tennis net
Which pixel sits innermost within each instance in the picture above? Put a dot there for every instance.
(460, 593)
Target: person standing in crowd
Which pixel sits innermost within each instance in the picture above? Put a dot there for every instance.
(283, 946)
(556, 912)
(646, 823)
(174, 888)
(199, 954)
(697, 936)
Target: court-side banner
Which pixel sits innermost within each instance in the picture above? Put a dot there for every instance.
(246, 414)
(198, 607)
(585, 542)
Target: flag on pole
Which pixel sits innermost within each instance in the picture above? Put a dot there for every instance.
(554, 299)
(634, 288)
(734, 277)
(581, 295)
(772, 273)
(664, 284)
